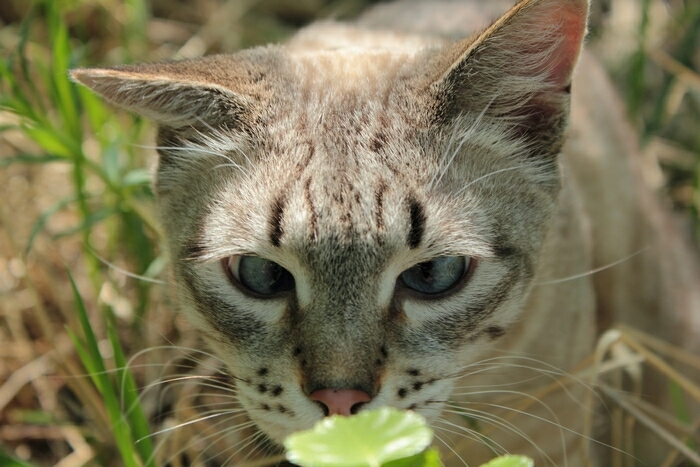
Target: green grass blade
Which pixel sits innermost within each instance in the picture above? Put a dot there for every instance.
(44, 218)
(8, 461)
(110, 163)
(86, 359)
(60, 63)
(120, 428)
(24, 31)
(87, 223)
(93, 108)
(137, 177)
(54, 142)
(131, 401)
(684, 54)
(30, 159)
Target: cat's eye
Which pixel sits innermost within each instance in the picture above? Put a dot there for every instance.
(436, 276)
(259, 275)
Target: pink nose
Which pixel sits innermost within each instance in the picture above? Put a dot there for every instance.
(340, 401)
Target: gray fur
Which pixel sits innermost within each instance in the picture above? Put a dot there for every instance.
(347, 157)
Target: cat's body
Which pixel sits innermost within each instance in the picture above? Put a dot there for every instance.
(427, 220)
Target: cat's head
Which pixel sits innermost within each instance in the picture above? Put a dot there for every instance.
(349, 226)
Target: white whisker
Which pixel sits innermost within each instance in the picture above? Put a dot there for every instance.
(500, 422)
(593, 271)
(451, 449)
(123, 271)
(490, 174)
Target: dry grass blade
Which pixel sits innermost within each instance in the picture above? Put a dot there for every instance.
(82, 452)
(642, 418)
(663, 348)
(659, 364)
(684, 74)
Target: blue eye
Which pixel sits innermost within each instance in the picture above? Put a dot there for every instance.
(259, 275)
(435, 276)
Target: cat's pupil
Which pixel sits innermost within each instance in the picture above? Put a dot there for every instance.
(435, 276)
(260, 275)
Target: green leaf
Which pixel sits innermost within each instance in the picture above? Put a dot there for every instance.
(368, 439)
(427, 458)
(510, 461)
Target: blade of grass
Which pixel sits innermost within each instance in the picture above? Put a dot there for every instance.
(131, 401)
(8, 461)
(636, 84)
(63, 93)
(87, 223)
(51, 140)
(98, 372)
(24, 62)
(30, 159)
(642, 418)
(43, 219)
(93, 108)
(684, 55)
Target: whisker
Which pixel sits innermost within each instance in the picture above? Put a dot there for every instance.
(122, 271)
(252, 439)
(472, 434)
(447, 445)
(593, 271)
(502, 423)
(183, 424)
(495, 172)
(217, 434)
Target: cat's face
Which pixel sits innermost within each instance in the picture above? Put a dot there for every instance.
(362, 221)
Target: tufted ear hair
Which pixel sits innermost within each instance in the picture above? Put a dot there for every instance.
(520, 68)
(217, 90)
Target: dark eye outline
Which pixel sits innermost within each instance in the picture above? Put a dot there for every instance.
(455, 287)
(234, 278)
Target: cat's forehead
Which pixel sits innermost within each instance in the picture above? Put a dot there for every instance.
(349, 69)
(333, 66)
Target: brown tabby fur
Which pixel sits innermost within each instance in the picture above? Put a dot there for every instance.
(352, 154)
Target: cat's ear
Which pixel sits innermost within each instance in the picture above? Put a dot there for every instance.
(213, 90)
(519, 68)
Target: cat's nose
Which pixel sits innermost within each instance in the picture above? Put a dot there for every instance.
(340, 401)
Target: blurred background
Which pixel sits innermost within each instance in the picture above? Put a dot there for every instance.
(75, 196)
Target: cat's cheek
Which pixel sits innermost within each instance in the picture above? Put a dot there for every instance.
(280, 418)
(426, 396)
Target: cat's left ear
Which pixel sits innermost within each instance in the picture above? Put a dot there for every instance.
(216, 90)
(520, 68)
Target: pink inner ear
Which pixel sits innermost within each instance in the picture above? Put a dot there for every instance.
(571, 24)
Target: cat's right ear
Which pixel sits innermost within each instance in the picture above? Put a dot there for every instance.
(176, 94)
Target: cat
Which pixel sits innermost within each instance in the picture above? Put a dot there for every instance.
(363, 216)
